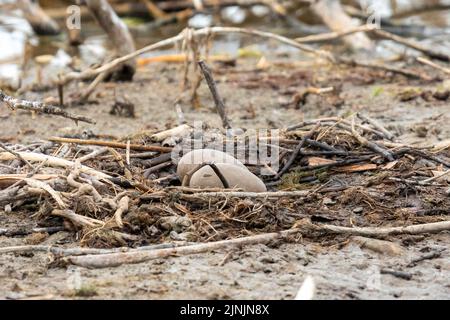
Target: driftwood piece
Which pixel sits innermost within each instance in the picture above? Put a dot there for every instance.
(123, 208)
(41, 23)
(180, 131)
(84, 251)
(433, 227)
(118, 33)
(117, 259)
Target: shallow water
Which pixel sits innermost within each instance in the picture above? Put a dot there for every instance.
(16, 61)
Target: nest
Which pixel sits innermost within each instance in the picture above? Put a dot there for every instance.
(127, 193)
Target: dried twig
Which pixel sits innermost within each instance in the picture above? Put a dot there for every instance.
(112, 144)
(83, 251)
(432, 64)
(297, 151)
(40, 107)
(42, 185)
(371, 145)
(383, 232)
(16, 155)
(414, 45)
(335, 35)
(220, 106)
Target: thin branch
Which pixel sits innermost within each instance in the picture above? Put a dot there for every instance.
(413, 44)
(220, 106)
(136, 147)
(434, 65)
(90, 73)
(389, 231)
(40, 107)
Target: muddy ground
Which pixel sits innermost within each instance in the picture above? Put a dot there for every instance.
(255, 99)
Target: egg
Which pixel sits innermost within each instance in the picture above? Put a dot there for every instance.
(236, 176)
(194, 158)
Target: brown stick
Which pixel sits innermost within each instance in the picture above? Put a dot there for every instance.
(40, 107)
(220, 106)
(371, 145)
(117, 259)
(297, 151)
(112, 144)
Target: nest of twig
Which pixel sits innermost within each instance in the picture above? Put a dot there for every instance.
(127, 193)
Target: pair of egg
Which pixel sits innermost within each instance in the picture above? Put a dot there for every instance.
(195, 169)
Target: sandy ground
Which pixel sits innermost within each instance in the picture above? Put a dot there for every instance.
(255, 272)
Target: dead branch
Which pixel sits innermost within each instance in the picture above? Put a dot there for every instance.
(381, 66)
(297, 151)
(220, 106)
(17, 155)
(117, 259)
(414, 45)
(40, 107)
(374, 232)
(388, 135)
(84, 251)
(372, 145)
(335, 35)
(44, 186)
(112, 144)
(251, 195)
(434, 65)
